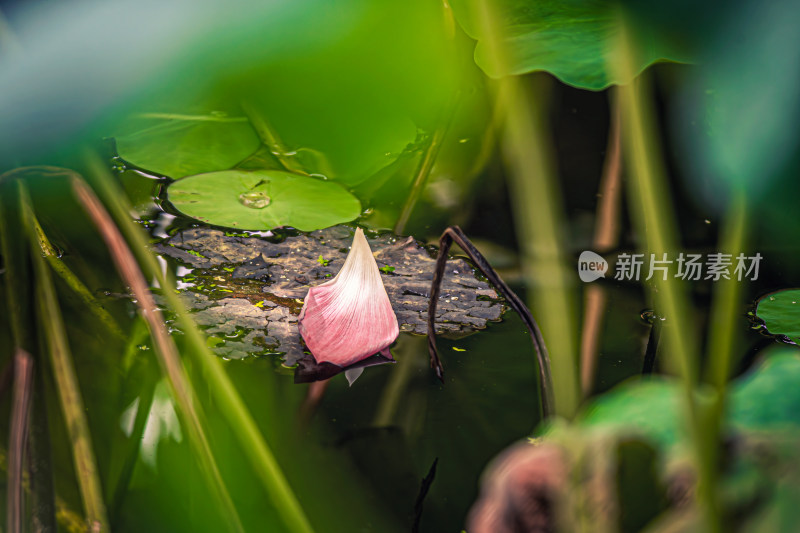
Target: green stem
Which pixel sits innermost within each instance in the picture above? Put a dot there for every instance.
(539, 220)
(51, 255)
(43, 497)
(222, 389)
(125, 449)
(726, 305)
(425, 167)
(171, 364)
(69, 520)
(652, 214)
(72, 280)
(66, 381)
(396, 389)
(18, 288)
(538, 217)
(270, 138)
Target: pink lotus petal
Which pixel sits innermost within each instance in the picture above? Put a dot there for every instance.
(349, 318)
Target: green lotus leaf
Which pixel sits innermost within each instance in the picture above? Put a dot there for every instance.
(780, 312)
(178, 145)
(575, 40)
(263, 200)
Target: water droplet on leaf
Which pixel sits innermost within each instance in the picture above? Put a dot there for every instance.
(255, 199)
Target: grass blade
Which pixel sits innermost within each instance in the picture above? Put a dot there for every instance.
(66, 382)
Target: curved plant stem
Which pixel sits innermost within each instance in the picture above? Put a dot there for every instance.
(170, 361)
(222, 389)
(66, 382)
(20, 411)
(606, 237)
(454, 233)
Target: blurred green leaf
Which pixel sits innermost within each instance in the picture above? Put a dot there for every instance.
(178, 145)
(650, 406)
(575, 40)
(262, 200)
(769, 397)
(765, 397)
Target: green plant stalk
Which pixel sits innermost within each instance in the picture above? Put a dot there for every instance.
(72, 280)
(222, 389)
(127, 448)
(725, 311)
(69, 520)
(396, 388)
(15, 278)
(653, 217)
(270, 138)
(44, 502)
(66, 383)
(425, 166)
(170, 361)
(538, 217)
(18, 286)
(726, 304)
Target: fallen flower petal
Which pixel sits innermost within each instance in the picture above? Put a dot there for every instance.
(350, 318)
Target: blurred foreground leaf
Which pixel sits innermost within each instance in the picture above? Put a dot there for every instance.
(765, 398)
(575, 40)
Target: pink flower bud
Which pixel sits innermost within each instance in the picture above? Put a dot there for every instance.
(350, 318)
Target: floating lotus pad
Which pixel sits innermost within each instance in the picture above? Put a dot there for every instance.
(263, 200)
(780, 312)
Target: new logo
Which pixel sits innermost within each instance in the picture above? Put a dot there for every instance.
(591, 266)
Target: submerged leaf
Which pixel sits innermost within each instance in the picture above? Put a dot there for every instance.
(263, 200)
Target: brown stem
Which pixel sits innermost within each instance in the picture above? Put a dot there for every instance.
(455, 234)
(606, 237)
